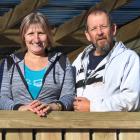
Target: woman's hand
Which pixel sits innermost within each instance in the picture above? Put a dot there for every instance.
(37, 107)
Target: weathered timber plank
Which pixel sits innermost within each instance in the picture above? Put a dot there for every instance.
(0, 135)
(19, 135)
(58, 120)
(49, 135)
(130, 31)
(77, 134)
(104, 135)
(129, 135)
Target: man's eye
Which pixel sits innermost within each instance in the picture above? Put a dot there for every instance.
(104, 26)
(94, 29)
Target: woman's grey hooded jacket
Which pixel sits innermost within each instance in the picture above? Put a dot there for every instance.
(58, 82)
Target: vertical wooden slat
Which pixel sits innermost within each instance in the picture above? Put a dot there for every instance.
(104, 135)
(19, 135)
(129, 135)
(77, 135)
(48, 134)
(0, 135)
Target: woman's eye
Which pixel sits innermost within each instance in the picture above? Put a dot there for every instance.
(30, 33)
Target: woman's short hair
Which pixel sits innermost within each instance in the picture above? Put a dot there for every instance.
(36, 18)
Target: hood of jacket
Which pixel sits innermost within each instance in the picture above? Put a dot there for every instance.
(82, 60)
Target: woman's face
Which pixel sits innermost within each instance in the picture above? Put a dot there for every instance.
(35, 39)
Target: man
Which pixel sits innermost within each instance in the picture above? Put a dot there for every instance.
(107, 73)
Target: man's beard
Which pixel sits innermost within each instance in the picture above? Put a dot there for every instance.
(104, 49)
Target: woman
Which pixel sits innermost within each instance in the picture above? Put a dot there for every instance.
(35, 80)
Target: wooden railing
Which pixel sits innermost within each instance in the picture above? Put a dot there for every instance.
(16, 125)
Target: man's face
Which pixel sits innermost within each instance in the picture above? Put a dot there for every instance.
(100, 32)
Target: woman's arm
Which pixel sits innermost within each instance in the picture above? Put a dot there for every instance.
(68, 87)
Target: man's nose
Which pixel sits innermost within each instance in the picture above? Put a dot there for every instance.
(99, 31)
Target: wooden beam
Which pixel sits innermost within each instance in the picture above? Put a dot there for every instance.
(72, 55)
(70, 120)
(80, 35)
(78, 22)
(137, 50)
(12, 34)
(129, 32)
(6, 41)
(134, 45)
(15, 15)
(6, 50)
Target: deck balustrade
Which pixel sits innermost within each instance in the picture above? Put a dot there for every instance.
(15, 125)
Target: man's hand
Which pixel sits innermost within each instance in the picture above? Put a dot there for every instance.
(81, 104)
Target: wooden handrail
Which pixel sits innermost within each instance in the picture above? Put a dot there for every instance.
(123, 120)
(15, 125)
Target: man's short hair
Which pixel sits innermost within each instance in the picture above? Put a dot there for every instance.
(96, 10)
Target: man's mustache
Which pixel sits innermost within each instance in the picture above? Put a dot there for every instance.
(100, 38)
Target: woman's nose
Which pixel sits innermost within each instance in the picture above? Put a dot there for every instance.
(36, 38)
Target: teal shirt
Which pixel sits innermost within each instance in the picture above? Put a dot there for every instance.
(34, 80)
